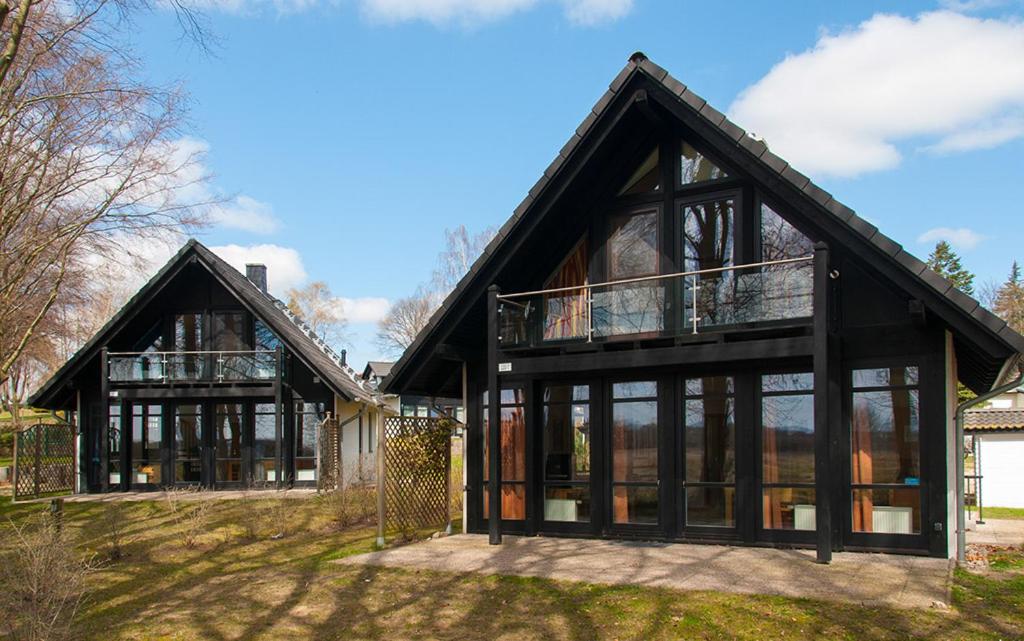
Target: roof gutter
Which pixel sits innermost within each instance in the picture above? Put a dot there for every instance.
(961, 530)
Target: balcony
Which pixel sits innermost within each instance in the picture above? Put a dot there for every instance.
(191, 367)
(668, 305)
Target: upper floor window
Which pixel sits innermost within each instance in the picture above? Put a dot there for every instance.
(781, 240)
(694, 167)
(633, 245)
(646, 178)
(708, 235)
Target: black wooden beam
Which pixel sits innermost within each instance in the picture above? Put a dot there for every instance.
(822, 361)
(449, 352)
(278, 416)
(493, 419)
(105, 420)
(789, 347)
(197, 392)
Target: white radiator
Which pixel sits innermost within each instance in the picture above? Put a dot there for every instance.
(804, 517)
(892, 520)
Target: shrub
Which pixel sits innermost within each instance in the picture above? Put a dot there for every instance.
(44, 581)
(190, 511)
(114, 521)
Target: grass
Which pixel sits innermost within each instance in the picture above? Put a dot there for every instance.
(1015, 513)
(234, 587)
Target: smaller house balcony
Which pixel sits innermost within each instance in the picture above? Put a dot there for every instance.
(779, 292)
(157, 368)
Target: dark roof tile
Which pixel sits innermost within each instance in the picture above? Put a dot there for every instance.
(886, 244)
(819, 195)
(713, 115)
(962, 300)
(753, 145)
(693, 100)
(777, 164)
(936, 281)
(569, 145)
(732, 130)
(620, 79)
(792, 175)
(655, 71)
(911, 262)
(987, 318)
(862, 226)
(603, 102)
(993, 419)
(1012, 337)
(587, 123)
(555, 165)
(839, 209)
(674, 85)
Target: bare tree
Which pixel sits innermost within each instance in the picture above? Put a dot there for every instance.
(315, 305)
(88, 155)
(407, 316)
(461, 249)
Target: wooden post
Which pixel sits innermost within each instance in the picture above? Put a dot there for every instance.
(381, 472)
(278, 416)
(104, 425)
(493, 419)
(822, 398)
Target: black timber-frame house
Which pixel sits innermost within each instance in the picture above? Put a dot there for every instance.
(679, 336)
(204, 379)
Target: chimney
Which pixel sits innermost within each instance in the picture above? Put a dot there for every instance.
(257, 274)
(344, 357)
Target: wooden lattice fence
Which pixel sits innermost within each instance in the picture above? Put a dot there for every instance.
(44, 460)
(417, 478)
(329, 440)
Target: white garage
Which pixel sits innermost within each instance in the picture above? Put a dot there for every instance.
(999, 454)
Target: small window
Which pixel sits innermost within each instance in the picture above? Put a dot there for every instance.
(645, 179)
(694, 167)
(781, 240)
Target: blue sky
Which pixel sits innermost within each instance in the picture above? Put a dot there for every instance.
(349, 134)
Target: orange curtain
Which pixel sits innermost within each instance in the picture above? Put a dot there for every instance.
(513, 463)
(862, 471)
(566, 312)
(620, 463)
(772, 505)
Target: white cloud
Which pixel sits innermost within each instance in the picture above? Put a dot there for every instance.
(284, 265)
(984, 136)
(247, 214)
(467, 13)
(841, 107)
(363, 310)
(961, 238)
(587, 13)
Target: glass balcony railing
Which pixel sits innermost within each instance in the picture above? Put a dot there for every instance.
(184, 367)
(659, 306)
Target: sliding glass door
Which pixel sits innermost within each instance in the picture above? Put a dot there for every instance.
(568, 438)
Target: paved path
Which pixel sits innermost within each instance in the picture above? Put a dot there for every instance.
(872, 579)
(997, 532)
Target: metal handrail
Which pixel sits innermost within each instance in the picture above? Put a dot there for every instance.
(642, 279)
(210, 351)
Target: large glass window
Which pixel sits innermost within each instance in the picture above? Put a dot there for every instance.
(694, 167)
(147, 437)
(188, 340)
(631, 308)
(113, 445)
(886, 450)
(229, 337)
(635, 452)
(566, 312)
(228, 435)
(710, 455)
(264, 444)
(308, 417)
(708, 230)
(777, 292)
(513, 454)
(787, 451)
(567, 453)
(188, 438)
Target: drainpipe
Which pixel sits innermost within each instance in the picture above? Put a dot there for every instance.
(961, 530)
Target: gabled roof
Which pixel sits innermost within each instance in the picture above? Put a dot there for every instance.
(994, 420)
(984, 358)
(295, 334)
(377, 368)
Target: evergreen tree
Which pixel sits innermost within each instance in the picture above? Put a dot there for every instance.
(1009, 303)
(946, 263)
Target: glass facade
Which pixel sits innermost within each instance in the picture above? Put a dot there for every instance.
(709, 423)
(188, 440)
(147, 440)
(885, 450)
(634, 445)
(567, 451)
(787, 451)
(513, 453)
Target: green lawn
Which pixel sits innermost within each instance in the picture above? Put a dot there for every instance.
(1015, 513)
(233, 587)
